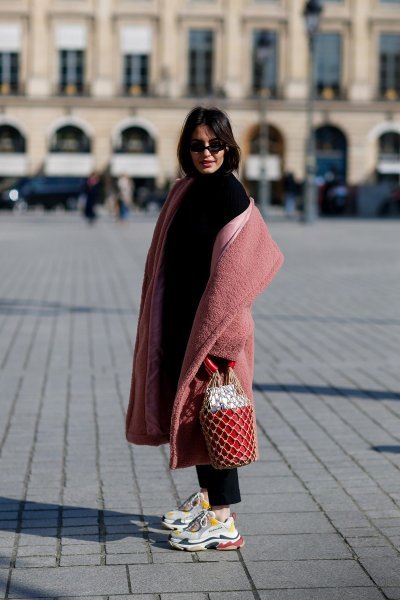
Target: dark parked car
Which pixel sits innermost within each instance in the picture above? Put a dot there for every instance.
(48, 192)
(391, 204)
(10, 192)
(150, 200)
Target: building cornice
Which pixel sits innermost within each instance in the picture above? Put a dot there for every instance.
(72, 104)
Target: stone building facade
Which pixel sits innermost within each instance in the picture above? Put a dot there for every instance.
(106, 84)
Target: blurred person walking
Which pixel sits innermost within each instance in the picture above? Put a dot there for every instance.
(290, 191)
(125, 189)
(210, 256)
(91, 192)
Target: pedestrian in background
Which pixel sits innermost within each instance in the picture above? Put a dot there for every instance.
(92, 190)
(124, 196)
(290, 191)
(210, 256)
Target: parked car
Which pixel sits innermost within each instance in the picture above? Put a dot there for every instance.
(10, 192)
(151, 200)
(48, 192)
(391, 204)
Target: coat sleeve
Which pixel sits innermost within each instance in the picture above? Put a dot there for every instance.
(232, 340)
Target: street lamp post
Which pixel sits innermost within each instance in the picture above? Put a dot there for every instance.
(263, 52)
(312, 14)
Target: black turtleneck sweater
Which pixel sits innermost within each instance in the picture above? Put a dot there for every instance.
(210, 203)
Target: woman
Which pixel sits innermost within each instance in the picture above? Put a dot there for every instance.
(210, 256)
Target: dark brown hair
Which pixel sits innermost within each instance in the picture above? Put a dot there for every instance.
(216, 120)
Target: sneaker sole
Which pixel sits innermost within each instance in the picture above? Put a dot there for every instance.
(212, 545)
(173, 526)
(170, 526)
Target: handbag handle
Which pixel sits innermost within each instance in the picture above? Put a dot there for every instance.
(212, 367)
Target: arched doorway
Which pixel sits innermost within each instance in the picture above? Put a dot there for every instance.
(70, 139)
(134, 155)
(273, 164)
(13, 161)
(331, 170)
(11, 140)
(69, 151)
(388, 167)
(135, 140)
(331, 152)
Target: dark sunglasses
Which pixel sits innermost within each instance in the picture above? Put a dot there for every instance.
(214, 147)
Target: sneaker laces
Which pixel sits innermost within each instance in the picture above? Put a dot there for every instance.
(190, 502)
(198, 522)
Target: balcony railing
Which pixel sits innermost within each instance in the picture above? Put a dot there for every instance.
(329, 92)
(390, 94)
(73, 89)
(205, 91)
(271, 92)
(11, 89)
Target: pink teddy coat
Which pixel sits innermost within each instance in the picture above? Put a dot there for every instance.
(245, 259)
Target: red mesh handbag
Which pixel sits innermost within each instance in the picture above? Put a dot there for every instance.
(227, 420)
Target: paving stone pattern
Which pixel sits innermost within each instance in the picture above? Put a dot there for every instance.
(80, 508)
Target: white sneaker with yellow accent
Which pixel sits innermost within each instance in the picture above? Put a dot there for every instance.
(186, 512)
(206, 532)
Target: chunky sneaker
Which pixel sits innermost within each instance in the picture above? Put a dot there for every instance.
(186, 512)
(206, 532)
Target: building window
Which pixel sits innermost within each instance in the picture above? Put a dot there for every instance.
(72, 69)
(328, 70)
(389, 66)
(9, 72)
(389, 147)
(201, 42)
(136, 74)
(331, 151)
(70, 139)
(388, 167)
(135, 140)
(11, 140)
(264, 61)
(136, 47)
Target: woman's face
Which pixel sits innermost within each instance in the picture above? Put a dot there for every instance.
(206, 150)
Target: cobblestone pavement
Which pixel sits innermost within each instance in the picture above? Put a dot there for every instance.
(79, 507)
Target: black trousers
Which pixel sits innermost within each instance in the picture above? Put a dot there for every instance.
(222, 484)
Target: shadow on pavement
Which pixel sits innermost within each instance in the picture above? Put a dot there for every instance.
(76, 522)
(22, 591)
(327, 319)
(321, 390)
(392, 449)
(13, 306)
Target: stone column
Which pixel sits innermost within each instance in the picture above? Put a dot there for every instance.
(361, 85)
(232, 51)
(170, 40)
(296, 52)
(38, 64)
(103, 50)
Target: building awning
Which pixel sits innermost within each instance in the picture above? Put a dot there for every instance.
(389, 167)
(272, 167)
(64, 164)
(10, 37)
(71, 37)
(135, 165)
(13, 165)
(135, 39)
